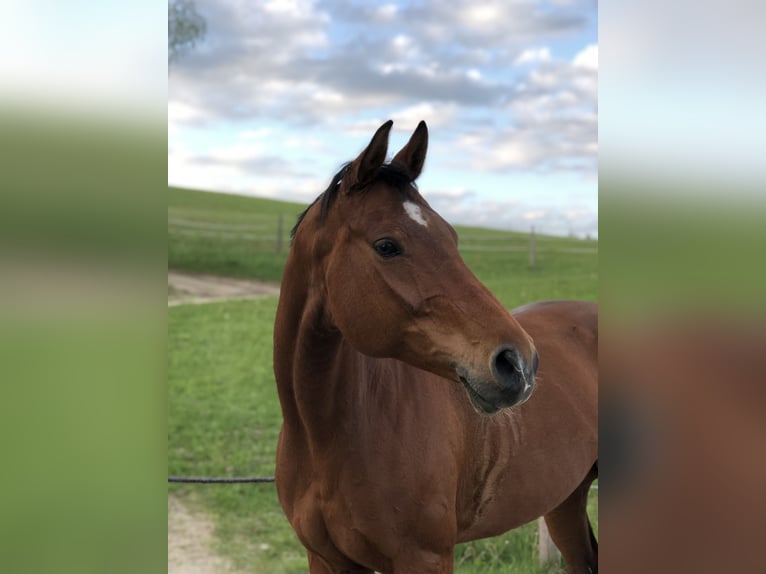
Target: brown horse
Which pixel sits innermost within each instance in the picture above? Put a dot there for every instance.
(390, 357)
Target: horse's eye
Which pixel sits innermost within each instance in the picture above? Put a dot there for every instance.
(387, 248)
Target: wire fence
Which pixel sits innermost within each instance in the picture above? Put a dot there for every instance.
(220, 479)
(270, 230)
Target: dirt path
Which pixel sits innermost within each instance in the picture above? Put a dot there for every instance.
(185, 288)
(190, 539)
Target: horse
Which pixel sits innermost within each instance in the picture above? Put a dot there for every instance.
(417, 411)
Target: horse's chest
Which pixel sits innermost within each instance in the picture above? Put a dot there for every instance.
(517, 476)
(338, 529)
(369, 524)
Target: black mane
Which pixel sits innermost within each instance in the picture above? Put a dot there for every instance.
(393, 175)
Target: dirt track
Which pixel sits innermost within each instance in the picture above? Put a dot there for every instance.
(190, 538)
(186, 288)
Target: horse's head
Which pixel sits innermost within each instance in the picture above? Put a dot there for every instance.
(395, 285)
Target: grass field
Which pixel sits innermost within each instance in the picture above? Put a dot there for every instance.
(223, 412)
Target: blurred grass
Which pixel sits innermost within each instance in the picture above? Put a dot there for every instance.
(666, 251)
(82, 399)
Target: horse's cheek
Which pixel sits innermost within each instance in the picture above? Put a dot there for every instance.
(352, 301)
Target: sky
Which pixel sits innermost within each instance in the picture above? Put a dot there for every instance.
(280, 93)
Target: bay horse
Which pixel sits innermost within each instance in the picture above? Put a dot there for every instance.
(395, 368)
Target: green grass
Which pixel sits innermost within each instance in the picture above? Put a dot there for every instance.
(224, 418)
(223, 411)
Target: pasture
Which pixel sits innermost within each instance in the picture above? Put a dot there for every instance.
(223, 411)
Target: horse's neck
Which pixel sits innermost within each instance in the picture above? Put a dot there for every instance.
(314, 367)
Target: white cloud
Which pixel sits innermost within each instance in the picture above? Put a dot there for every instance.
(587, 58)
(291, 8)
(473, 74)
(236, 153)
(406, 119)
(470, 209)
(531, 55)
(554, 123)
(181, 112)
(543, 79)
(255, 134)
(388, 11)
(402, 42)
(534, 215)
(484, 74)
(434, 115)
(482, 14)
(516, 152)
(264, 60)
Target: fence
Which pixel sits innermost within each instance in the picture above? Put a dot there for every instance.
(270, 230)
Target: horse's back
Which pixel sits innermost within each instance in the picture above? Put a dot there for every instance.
(565, 334)
(583, 313)
(568, 323)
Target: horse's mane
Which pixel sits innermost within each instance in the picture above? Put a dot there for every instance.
(393, 175)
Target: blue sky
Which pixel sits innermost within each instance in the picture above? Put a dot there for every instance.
(280, 93)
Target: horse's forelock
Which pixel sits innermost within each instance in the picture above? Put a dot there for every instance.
(393, 175)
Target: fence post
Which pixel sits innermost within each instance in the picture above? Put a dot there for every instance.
(532, 249)
(547, 551)
(280, 224)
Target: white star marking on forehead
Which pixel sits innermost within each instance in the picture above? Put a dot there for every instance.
(415, 214)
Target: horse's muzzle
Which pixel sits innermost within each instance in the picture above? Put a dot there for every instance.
(514, 381)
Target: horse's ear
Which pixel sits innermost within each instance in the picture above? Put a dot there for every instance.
(364, 167)
(413, 155)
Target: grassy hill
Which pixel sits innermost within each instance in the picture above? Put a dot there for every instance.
(249, 237)
(228, 234)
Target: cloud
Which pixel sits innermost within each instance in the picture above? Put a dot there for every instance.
(450, 195)
(467, 208)
(554, 128)
(247, 164)
(407, 119)
(587, 58)
(531, 55)
(493, 22)
(492, 77)
(256, 165)
(180, 112)
(302, 61)
(276, 61)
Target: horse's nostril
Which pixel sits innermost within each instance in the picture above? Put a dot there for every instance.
(535, 363)
(506, 368)
(505, 364)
